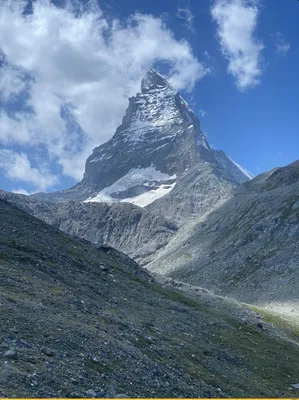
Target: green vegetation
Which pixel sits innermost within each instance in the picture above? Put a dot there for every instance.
(288, 324)
(187, 256)
(176, 296)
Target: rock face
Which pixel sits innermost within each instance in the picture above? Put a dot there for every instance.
(153, 151)
(69, 328)
(248, 248)
(198, 192)
(126, 227)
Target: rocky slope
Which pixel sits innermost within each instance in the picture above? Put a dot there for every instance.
(128, 228)
(199, 191)
(81, 321)
(156, 151)
(248, 248)
(225, 237)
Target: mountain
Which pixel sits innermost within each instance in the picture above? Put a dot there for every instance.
(159, 161)
(157, 149)
(248, 248)
(84, 321)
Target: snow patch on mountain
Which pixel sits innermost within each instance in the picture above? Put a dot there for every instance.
(245, 172)
(142, 186)
(147, 198)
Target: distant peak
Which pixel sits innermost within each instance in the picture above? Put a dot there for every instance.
(152, 80)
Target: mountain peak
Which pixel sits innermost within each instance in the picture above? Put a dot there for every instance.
(157, 143)
(153, 80)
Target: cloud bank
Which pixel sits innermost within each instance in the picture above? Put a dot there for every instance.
(65, 77)
(17, 167)
(236, 22)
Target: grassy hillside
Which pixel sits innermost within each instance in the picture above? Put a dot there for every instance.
(77, 321)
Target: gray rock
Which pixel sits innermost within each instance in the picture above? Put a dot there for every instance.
(11, 354)
(48, 352)
(296, 205)
(91, 393)
(5, 372)
(295, 385)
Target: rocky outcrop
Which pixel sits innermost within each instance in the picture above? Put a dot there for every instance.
(198, 192)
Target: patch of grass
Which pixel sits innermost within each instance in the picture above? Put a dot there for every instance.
(177, 297)
(247, 227)
(288, 210)
(11, 299)
(287, 324)
(262, 354)
(57, 292)
(187, 256)
(97, 366)
(50, 263)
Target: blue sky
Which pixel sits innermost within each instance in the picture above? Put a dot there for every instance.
(66, 74)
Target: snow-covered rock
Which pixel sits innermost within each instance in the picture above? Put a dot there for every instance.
(140, 186)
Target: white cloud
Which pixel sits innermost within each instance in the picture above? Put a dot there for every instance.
(207, 55)
(17, 167)
(14, 129)
(282, 46)
(12, 82)
(185, 14)
(236, 22)
(203, 113)
(77, 70)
